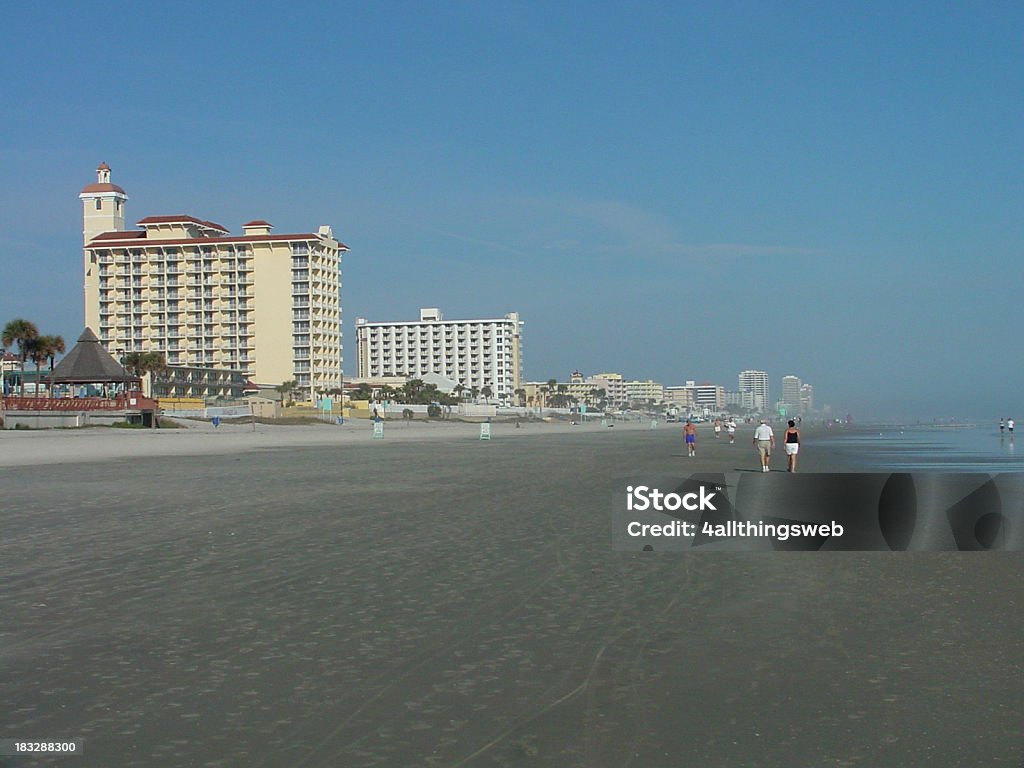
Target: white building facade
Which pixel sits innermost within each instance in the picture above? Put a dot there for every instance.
(791, 394)
(475, 353)
(754, 384)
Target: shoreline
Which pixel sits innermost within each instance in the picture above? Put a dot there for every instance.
(20, 448)
(200, 438)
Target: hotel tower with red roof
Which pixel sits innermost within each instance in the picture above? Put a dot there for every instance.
(264, 304)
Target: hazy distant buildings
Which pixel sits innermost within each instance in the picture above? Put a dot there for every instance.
(704, 397)
(267, 306)
(754, 385)
(644, 392)
(680, 398)
(614, 386)
(806, 398)
(791, 395)
(475, 353)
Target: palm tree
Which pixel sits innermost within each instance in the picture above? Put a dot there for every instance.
(56, 345)
(141, 363)
(486, 392)
(563, 398)
(521, 394)
(412, 390)
(459, 389)
(155, 364)
(475, 392)
(286, 388)
(21, 332)
(40, 350)
(133, 363)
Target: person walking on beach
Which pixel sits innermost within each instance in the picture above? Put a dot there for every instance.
(1002, 426)
(718, 428)
(731, 427)
(690, 431)
(764, 440)
(792, 442)
(1009, 426)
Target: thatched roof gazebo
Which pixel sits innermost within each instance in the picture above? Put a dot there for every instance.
(89, 363)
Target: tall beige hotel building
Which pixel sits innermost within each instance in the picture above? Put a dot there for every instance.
(265, 304)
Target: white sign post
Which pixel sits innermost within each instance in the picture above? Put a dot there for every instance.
(485, 431)
(378, 430)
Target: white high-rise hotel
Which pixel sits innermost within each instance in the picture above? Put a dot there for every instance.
(474, 353)
(267, 305)
(753, 387)
(791, 394)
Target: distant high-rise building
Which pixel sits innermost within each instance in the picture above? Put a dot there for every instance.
(791, 394)
(755, 385)
(806, 398)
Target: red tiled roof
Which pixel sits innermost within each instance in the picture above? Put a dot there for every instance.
(102, 188)
(257, 223)
(112, 239)
(180, 219)
(123, 235)
(103, 167)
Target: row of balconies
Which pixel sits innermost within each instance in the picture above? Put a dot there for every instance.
(398, 334)
(496, 348)
(449, 354)
(135, 255)
(235, 302)
(149, 267)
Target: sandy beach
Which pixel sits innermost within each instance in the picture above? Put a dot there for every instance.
(309, 596)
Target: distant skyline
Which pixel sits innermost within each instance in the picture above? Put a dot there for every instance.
(668, 191)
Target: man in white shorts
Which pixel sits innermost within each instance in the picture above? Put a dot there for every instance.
(764, 440)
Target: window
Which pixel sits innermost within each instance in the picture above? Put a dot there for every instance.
(99, 204)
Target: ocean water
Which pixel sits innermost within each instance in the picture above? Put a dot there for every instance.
(939, 449)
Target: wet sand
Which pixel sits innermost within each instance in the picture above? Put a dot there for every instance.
(303, 598)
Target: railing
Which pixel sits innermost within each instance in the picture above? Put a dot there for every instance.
(119, 403)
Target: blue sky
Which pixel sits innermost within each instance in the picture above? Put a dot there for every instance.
(671, 191)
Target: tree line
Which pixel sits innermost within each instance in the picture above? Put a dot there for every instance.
(32, 346)
(37, 348)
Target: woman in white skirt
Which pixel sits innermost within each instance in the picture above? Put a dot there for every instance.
(791, 439)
